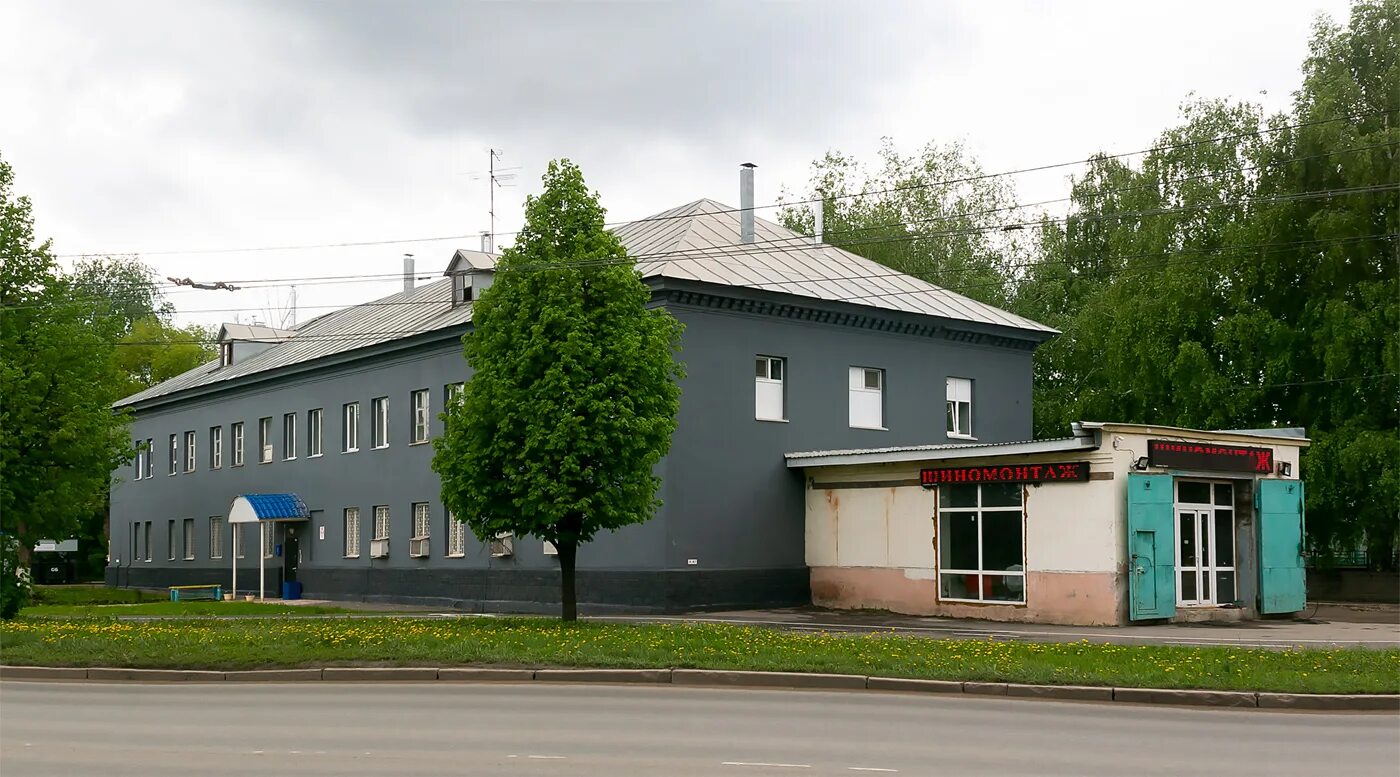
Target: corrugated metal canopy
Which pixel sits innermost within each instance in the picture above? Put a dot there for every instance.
(251, 508)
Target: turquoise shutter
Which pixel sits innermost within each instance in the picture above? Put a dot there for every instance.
(1151, 548)
(1281, 578)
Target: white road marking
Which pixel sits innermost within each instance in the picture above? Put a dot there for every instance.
(548, 757)
(771, 766)
(869, 769)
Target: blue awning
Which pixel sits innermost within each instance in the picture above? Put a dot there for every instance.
(251, 508)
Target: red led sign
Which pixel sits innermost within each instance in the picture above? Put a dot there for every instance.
(1018, 473)
(1205, 455)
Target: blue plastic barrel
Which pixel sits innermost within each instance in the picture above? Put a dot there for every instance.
(291, 589)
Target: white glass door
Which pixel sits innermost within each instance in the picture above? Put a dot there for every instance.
(1205, 543)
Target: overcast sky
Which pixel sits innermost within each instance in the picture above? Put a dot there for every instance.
(154, 127)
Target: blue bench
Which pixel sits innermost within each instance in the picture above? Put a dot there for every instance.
(188, 593)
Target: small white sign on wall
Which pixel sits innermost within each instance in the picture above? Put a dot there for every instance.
(321, 533)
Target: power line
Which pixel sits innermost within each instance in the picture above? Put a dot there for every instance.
(947, 182)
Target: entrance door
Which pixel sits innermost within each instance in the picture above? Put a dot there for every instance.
(291, 553)
(1282, 580)
(1205, 542)
(1151, 574)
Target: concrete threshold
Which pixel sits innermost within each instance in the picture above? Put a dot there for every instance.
(712, 678)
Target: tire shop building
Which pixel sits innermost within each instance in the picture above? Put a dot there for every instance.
(1115, 524)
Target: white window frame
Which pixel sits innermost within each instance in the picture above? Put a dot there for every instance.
(216, 536)
(379, 422)
(315, 432)
(140, 461)
(269, 539)
(452, 393)
(149, 557)
(289, 436)
(189, 539)
(381, 522)
(768, 390)
(265, 440)
(216, 447)
(237, 434)
(240, 542)
(150, 456)
(420, 404)
(351, 525)
(350, 427)
(420, 545)
(191, 452)
(174, 454)
(1019, 510)
(867, 404)
(959, 407)
(456, 537)
(170, 540)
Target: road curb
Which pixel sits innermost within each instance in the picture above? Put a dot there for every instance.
(712, 678)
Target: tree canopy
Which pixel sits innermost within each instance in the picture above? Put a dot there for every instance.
(61, 439)
(573, 395)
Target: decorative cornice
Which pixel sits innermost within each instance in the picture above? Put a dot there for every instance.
(858, 320)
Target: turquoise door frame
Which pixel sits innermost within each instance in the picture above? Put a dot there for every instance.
(1282, 580)
(1151, 547)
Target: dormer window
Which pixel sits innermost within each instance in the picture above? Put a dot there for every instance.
(225, 354)
(471, 273)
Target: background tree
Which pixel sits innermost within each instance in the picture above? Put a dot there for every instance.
(61, 439)
(931, 214)
(573, 396)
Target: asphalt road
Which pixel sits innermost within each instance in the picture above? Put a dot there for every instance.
(555, 730)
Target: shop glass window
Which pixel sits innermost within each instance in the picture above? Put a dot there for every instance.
(981, 549)
(769, 400)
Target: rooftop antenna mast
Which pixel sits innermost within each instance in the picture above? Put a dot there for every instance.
(495, 178)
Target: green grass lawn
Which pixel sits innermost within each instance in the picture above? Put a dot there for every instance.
(173, 609)
(94, 594)
(210, 643)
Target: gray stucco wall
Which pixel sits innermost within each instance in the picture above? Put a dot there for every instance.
(729, 501)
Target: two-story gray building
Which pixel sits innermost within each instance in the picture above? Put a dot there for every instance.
(789, 345)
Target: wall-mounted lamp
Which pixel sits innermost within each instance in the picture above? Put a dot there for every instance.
(1285, 468)
(1141, 464)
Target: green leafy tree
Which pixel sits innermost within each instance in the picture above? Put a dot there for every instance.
(573, 396)
(156, 350)
(932, 214)
(60, 438)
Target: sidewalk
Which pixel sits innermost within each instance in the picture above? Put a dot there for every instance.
(1325, 627)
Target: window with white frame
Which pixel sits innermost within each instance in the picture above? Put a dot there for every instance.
(191, 447)
(265, 440)
(379, 422)
(289, 436)
(420, 546)
(981, 548)
(216, 536)
(314, 424)
(240, 540)
(140, 460)
(170, 540)
(174, 453)
(136, 541)
(352, 532)
(236, 432)
(420, 415)
(960, 407)
(381, 522)
(150, 455)
(769, 399)
(269, 534)
(456, 536)
(350, 439)
(146, 540)
(216, 447)
(452, 393)
(189, 539)
(867, 389)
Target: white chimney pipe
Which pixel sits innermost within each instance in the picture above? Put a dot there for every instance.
(746, 202)
(408, 272)
(817, 208)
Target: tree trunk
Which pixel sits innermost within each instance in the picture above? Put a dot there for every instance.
(568, 551)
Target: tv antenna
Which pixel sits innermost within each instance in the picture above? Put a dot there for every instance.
(496, 177)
